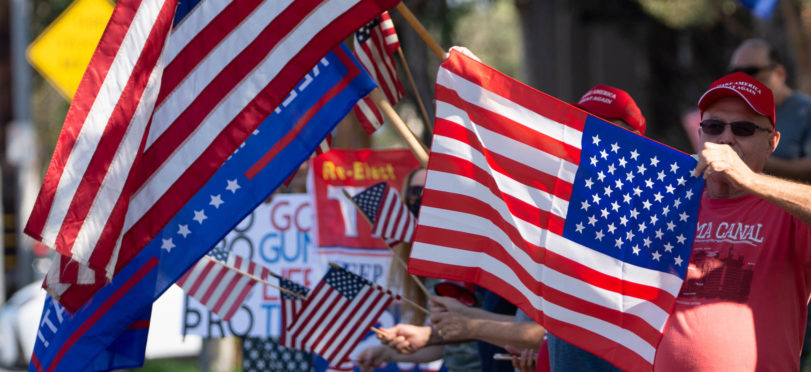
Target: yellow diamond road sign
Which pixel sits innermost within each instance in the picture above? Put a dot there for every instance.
(62, 52)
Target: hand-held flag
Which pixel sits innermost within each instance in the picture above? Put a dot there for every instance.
(391, 220)
(374, 45)
(337, 314)
(217, 286)
(585, 226)
(291, 306)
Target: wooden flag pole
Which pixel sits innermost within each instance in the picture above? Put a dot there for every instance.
(394, 254)
(414, 86)
(412, 303)
(424, 34)
(414, 144)
(269, 284)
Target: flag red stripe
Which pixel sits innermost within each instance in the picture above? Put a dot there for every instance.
(521, 94)
(236, 131)
(506, 127)
(331, 93)
(519, 208)
(516, 170)
(88, 89)
(203, 43)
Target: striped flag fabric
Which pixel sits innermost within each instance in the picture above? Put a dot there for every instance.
(585, 226)
(337, 315)
(391, 220)
(160, 108)
(220, 287)
(374, 45)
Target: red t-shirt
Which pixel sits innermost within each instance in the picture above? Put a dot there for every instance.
(743, 303)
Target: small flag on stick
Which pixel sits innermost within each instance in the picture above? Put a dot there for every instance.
(374, 45)
(337, 314)
(390, 219)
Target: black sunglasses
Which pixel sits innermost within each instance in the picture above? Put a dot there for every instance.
(715, 127)
(751, 70)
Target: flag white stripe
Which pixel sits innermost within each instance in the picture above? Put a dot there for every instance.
(497, 268)
(491, 101)
(98, 116)
(197, 142)
(204, 72)
(508, 147)
(391, 39)
(191, 25)
(530, 195)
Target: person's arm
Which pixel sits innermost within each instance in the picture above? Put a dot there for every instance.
(459, 322)
(792, 197)
(409, 338)
(527, 335)
(794, 169)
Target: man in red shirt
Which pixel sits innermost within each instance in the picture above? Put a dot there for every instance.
(743, 302)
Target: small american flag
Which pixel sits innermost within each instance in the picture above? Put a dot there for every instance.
(220, 287)
(162, 107)
(391, 220)
(585, 226)
(337, 315)
(374, 45)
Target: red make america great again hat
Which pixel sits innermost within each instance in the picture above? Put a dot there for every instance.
(612, 103)
(756, 95)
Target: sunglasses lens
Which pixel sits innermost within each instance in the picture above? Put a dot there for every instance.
(713, 127)
(743, 128)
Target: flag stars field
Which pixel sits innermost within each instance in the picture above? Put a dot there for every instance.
(648, 200)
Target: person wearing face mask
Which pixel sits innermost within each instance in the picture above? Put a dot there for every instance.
(748, 281)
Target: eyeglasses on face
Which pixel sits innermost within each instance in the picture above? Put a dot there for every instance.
(715, 127)
(752, 70)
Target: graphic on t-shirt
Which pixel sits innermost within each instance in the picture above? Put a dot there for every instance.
(714, 275)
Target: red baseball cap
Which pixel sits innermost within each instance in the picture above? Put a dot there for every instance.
(613, 104)
(757, 95)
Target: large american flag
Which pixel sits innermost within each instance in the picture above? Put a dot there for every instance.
(391, 220)
(374, 45)
(160, 109)
(585, 226)
(337, 315)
